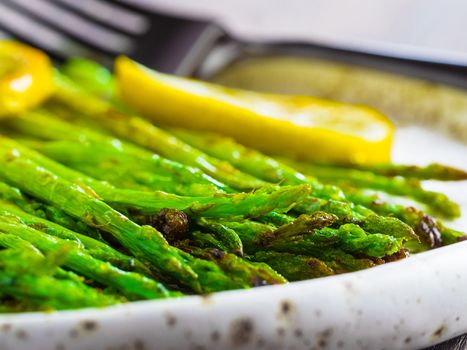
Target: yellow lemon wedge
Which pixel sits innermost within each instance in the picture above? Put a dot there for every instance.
(25, 77)
(301, 127)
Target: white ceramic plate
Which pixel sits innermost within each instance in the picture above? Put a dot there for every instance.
(407, 304)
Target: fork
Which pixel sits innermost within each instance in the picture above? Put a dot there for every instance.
(101, 29)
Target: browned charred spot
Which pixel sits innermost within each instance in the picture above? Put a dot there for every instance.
(172, 223)
(313, 264)
(458, 318)
(89, 325)
(438, 333)
(38, 226)
(215, 336)
(21, 334)
(429, 231)
(241, 331)
(171, 320)
(6, 327)
(280, 332)
(216, 253)
(139, 345)
(462, 238)
(401, 254)
(407, 340)
(298, 333)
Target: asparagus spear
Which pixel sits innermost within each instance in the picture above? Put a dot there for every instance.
(432, 232)
(93, 76)
(143, 133)
(253, 162)
(130, 284)
(224, 234)
(237, 268)
(294, 267)
(433, 171)
(14, 242)
(207, 240)
(33, 283)
(97, 249)
(349, 238)
(437, 202)
(299, 267)
(45, 211)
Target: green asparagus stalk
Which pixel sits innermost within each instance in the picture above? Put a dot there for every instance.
(130, 284)
(432, 232)
(224, 234)
(437, 202)
(207, 240)
(34, 284)
(433, 171)
(143, 133)
(42, 210)
(349, 238)
(253, 162)
(237, 268)
(294, 267)
(299, 267)
(97, 249)
(93, 76)
(14, 242)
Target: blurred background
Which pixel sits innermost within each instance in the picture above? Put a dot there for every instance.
(431, 27)
(425, 29)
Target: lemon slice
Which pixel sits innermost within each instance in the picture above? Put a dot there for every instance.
(25, 77)
(301, 127)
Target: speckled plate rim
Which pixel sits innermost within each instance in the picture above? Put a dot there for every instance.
(407, 304)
